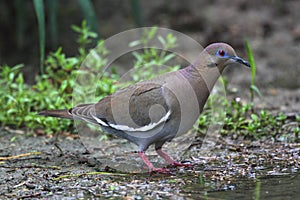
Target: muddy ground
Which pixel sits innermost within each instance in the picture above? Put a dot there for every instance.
(68, 171)
(62, 167)
(38, 167)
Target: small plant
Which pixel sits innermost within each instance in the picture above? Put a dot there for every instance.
(241, 121)
(85, 37)
(151, 61)
(52, 90)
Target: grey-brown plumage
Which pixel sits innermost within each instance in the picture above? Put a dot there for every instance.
(157, 110)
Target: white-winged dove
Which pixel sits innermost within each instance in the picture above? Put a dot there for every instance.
(155, 111)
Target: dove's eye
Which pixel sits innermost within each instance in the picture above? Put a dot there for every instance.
(221, 52)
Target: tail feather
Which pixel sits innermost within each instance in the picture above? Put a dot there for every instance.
(57, 113)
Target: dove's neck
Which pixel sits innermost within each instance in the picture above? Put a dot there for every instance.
(202, 81)
(206, 75)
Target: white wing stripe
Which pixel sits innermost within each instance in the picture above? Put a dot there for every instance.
(143, 128)
(99, 121)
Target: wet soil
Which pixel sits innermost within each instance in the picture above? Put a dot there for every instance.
(55, 170)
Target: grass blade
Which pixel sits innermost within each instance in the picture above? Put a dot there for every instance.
(89, 14)
(39, 10)
(251, 61)
(20, 12)
(137, 13)
(253, 87)
(257, 190)
(52, 12)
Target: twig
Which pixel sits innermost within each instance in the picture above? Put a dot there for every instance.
(20, 155)
(60, 150)
(89, 173)
(33, 166)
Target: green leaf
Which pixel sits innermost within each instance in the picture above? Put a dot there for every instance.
(162, 40)
(256, 90)
(63, 86)
(168, 57)
(12, 139)
(150, 34)
(11, 76)
(134, 43)
(254, 117)
(281, 117)
(11, 98)
(76, 28)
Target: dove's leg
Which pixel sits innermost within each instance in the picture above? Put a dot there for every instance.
(169, 160)
(150, 165)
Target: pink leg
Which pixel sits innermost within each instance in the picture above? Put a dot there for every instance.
(150, 165)
(169, 160)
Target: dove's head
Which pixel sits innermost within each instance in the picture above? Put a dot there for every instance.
(219, 55)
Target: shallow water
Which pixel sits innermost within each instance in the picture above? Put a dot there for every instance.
(268, 187)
